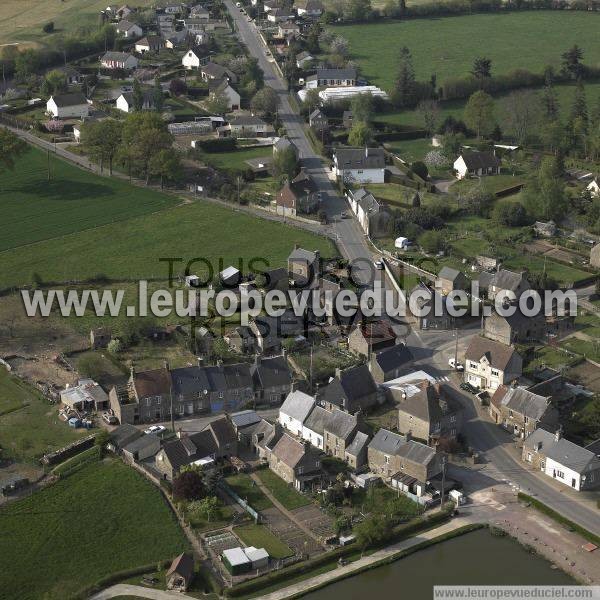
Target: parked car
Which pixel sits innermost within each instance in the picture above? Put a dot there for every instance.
(156, 429)
(468, 388)
(149, 580)
(344, 215)
(456, 365)
(378, 265)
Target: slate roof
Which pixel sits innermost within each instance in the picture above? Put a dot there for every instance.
(223, 431)
(480, 160)
(317, 420)
(341, 424)
(394, 444)
(430, 403)
(124, 434)
(335, 74)
(360, 158)
(563, 451)
(377, 331)
(217, 71)
(141, 442)
(74, 99)
(244, 418)
(183, 565)
(539, 436)
(124, 25)
(238, 376)
(360, 441)
(349, 389)
(189, 449)
(151, 40)
(302, 254)
(497, 354)
(393, 358)
(448, 273)
(297, 405)
(271, 372)
(521, 401)
(116, 56)
(507, 280)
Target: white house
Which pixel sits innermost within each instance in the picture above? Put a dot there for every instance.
(364, 206)
(476, 164)
(359, 165)
(564, 461)
(294, 411)
(119, 60)
(248, 126)
(151, 43)
(125, 101)
(304, 58)
(68, 106)
(332, 78)
(128, 29)
(489, 364)
(190, 60)
(313, 427)
(309, 8)
(594, 187)
(223, 87)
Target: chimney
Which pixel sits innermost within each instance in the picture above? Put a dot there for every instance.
(166, 364)
(338, 372)
(558, 434)
(366, 152)
(293, 386)
(408, 435)
(199, 360)
(180, 433)
(132, 370)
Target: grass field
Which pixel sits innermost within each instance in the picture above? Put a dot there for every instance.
(102, 519)
(29, 432)
(246, 489)
(83, 245)
(285, 494)
(22, 20)
(36, 209)
(447, 46)
(399, 196)
(235, 159)
(260, 537)
(13, 393)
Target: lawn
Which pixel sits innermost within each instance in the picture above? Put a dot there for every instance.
(447, 46)
(246, 488)
(260, 537)
(237, 158)
(22, 20)
(36, 209)
(13, 393)
(102, 519)
(547, 356)
(30, 432)
(400, 196)
(382, 499)
(133, 249)
(282, 491)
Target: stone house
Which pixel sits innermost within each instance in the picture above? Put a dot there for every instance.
(351, 390)
(339, 430)
(521, 411)
(100, 337)
(180, 574)
(450, 279)
(241, 339)
(304, 266)
(356, 452)
(430, 310)
(429, 415)
(391, 454)
(272, 379)
(373, 216)
(513, 329)
(504, 280)
(489, 364)
(389, 364)
(296, 462)
(373, 336)
(299, 196)
(313, 428)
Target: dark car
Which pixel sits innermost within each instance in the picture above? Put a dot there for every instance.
(467, 387)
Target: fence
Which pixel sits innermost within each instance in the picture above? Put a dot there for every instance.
(253, 513)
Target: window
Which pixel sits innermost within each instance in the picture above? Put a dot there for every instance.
(148, 401)
(510, 414)
(452, 418)
(300, 470)
(158, 400)
(529, 457)
(495, 372)
(473, 365)
(559, 474)
(387, 460)
(526, 420)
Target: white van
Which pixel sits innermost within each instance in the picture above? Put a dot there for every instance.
(455, 365)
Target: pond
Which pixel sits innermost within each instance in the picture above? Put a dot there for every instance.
(476, 558)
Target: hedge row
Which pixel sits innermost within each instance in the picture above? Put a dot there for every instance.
(73, 464)
(588, 535)
(396, 534)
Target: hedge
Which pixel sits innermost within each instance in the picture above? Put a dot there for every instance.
(217, 144)
(396, 534)
(76, 462)
(588, 535)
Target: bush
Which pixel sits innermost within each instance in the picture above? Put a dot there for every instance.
(432, 241)
(48, 27)
(419, 168)
(188, 486)
(511, 214)
(217, 144)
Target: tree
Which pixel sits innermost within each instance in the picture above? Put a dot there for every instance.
(478, 200)
(54, 83)
(115, 346)
(166, 164)
(285, 163)
(360, 134)
(420, 169)
(479, 113)
(27, 63)
(432, 241)
(312, 39)
(188, 486)
(571, 62)
(510, 214)
(144, 136)
(253, 78)
(11, 148)
(158, 96)
(371, 531)
(102, 140)
(205, 507)
(579, 108)
(451, 144)
(522, 113)
(138, 96)
(549, 98)
(265, 102)
(357, 10)
(482, 68)
(177, 87)
(217, 103)
(544, 194)
(430, 113)
(48, 27)
(435, 159)
(361, 106)
(405, 88)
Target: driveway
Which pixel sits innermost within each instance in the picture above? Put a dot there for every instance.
(123, 589)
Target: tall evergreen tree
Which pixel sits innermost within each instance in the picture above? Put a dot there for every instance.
(579, 108)
(549, 99)
(405, 89)
(138, 96)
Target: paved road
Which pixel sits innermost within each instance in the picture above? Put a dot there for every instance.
(123, 589)
(350, 237)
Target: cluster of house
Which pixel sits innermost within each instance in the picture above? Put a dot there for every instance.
(158, 394)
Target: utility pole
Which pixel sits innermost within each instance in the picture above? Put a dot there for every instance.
(456, 343)
(443, 480)
(311, 367)
(48, 162)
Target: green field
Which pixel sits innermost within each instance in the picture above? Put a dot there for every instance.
(260, 537)
(237, 158)
(36, 209)
(447, 46)
(282, 491)
(103, 519)
(28, 433)
(246, 489)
